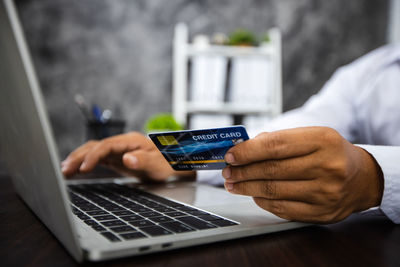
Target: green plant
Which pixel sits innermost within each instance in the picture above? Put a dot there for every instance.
(161, 122)
(242, 37)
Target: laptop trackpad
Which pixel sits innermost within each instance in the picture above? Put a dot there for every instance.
(199, 195)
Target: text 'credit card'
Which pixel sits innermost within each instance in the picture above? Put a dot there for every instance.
(203, 149)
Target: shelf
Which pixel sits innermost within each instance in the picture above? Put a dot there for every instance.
(230, 51)
(228, 108)
(184, 52)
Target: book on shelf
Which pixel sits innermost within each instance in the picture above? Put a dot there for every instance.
(251, 81)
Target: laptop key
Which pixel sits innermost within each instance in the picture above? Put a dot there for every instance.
(185, 208)
(196, 223)
(163, 209)
(132, 206)
(75, 210)
(142, 223)
(90, 222)
(123, 213)
(97, 212)
(126, 203)
(140, 209)
(88, 207)
(161, 219)
(78, 200)
(197, 212)
(132, 218)
(130, 236)
(177, 227)
(83, 217)
(173, 204)
(104, 218)
(98, 228)
(175, 214)
(150, 204)
(121, 229)
(109, 205)
(223, 223)
(165, 201)
(155, 230)
(77, 213)
(209, 217)
(113, 223)
(150, 214)
(110, 236)
(114, 208)
(153, 206)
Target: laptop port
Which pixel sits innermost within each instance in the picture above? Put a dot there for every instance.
(141, 249)
(166, 245)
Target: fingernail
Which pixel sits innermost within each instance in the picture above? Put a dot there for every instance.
(226, 173)
(63, 162)
(229, 186)
(229, 158)
(63, 169)
(83, 166)
(132, 160)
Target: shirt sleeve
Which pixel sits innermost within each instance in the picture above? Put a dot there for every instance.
(332, 107)
(388, 159)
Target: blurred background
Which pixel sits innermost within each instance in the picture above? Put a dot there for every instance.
(118, 54)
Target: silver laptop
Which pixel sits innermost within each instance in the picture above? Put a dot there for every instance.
(100, 219)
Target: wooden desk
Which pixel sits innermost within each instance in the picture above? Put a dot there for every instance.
(361, 240)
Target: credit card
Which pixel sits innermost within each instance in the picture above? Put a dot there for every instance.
(203, 149)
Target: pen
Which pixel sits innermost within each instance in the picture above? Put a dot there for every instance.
(96, 111)
(106, 115)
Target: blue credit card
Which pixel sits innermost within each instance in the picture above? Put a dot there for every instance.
(203, 149)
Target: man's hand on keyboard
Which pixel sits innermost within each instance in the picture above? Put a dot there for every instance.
(130, 154)
(307, 174)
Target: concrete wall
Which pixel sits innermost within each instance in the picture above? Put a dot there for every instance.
(118, 53)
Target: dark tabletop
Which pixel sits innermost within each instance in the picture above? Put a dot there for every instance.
(361, 240)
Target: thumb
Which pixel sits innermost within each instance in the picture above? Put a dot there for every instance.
(137, 160)
(151, 163)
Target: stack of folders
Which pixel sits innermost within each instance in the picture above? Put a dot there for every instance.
(207, 87)
(250, 81)
(251, 85)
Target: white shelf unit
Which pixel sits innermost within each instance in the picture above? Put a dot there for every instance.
(183, 51)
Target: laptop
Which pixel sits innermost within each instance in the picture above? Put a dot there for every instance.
(100, 219)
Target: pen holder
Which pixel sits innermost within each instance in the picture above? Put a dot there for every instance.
(96, 130)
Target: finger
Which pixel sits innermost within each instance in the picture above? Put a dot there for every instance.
(143, 160)
(150, 162)
(130, 160)
(116, 164)
(278, 145)
(104, 149)
(74, 160)
(298, 168)
(112, 161)
(302, 191)
(292, 210)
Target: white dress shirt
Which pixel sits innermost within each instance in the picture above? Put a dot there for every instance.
(362, 102)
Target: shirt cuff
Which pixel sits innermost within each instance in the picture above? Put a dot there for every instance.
(388, 159)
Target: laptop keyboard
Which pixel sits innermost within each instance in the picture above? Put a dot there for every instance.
(119, 212)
